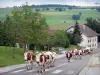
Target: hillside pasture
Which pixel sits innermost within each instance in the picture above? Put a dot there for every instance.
(61, 20)
(56, 19)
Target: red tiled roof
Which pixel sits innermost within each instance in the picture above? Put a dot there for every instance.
(51, 31)
(88, 31)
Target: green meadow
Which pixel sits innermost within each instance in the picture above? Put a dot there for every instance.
(56, 19)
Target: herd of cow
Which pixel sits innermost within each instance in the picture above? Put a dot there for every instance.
(77, 54)
(46, 59)
(42, 60)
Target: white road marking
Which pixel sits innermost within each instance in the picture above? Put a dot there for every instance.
(57, 67)
(57, 71)
(70, 72)
(36, 74)
(31, 70)
(46, 69)
(17, 71)
(71, 60)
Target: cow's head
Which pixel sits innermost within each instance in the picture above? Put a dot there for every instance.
(25, 56)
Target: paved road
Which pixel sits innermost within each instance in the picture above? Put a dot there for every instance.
(62, 67)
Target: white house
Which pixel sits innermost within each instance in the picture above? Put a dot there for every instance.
(89, 37)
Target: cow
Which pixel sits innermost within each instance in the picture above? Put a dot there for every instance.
(41, 60)
(80, 54)
(76, 53)
(50, 58)
(29, 57)
(68, 56)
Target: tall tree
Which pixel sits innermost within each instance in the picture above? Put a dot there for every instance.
(61, 39)
(93, 24)
(77, 34)
(26, 26)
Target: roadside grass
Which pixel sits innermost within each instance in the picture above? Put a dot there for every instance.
(71, 47)
(6, 56)
(57, 51)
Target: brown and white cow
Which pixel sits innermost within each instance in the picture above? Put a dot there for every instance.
(29, 57)
(68, 56)
(41, 60)
(76, 53)
(50, 58)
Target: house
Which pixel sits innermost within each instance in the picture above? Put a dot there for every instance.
(89, 37)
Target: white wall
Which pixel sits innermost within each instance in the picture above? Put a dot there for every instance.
(93, 42)
(70, 30)
(84, 41)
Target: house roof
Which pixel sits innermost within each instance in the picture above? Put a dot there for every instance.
(86, 30)
(52, 31)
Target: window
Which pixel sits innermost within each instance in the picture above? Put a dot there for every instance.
(95, 44)
(88, 41)
(95, 39)
(92, 45)
(88, 45)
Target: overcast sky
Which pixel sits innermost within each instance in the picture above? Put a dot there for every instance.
(10, 3)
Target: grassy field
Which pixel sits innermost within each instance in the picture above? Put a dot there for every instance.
(6, 54)
(72, 47)
(56, 19)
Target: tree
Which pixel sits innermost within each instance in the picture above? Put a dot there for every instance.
(75, 17)
(61, 40)
(26, 26)
(98, 9)
(77, 34)
(80, 13)
(47, 9)
(94, 24)
(37, 9)
(70, 37)
(70, 7)
(1, 34)
(60, 9)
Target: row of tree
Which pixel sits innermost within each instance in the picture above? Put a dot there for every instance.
(94, 24)
(24, 26)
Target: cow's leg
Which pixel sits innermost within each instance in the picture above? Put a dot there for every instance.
(26, 65)
(31, 65)
(37, 67)
(43, 67)
(48, 63)
(68, 59)
(53, 63)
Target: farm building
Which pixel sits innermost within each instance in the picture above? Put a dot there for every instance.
(89, 37)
